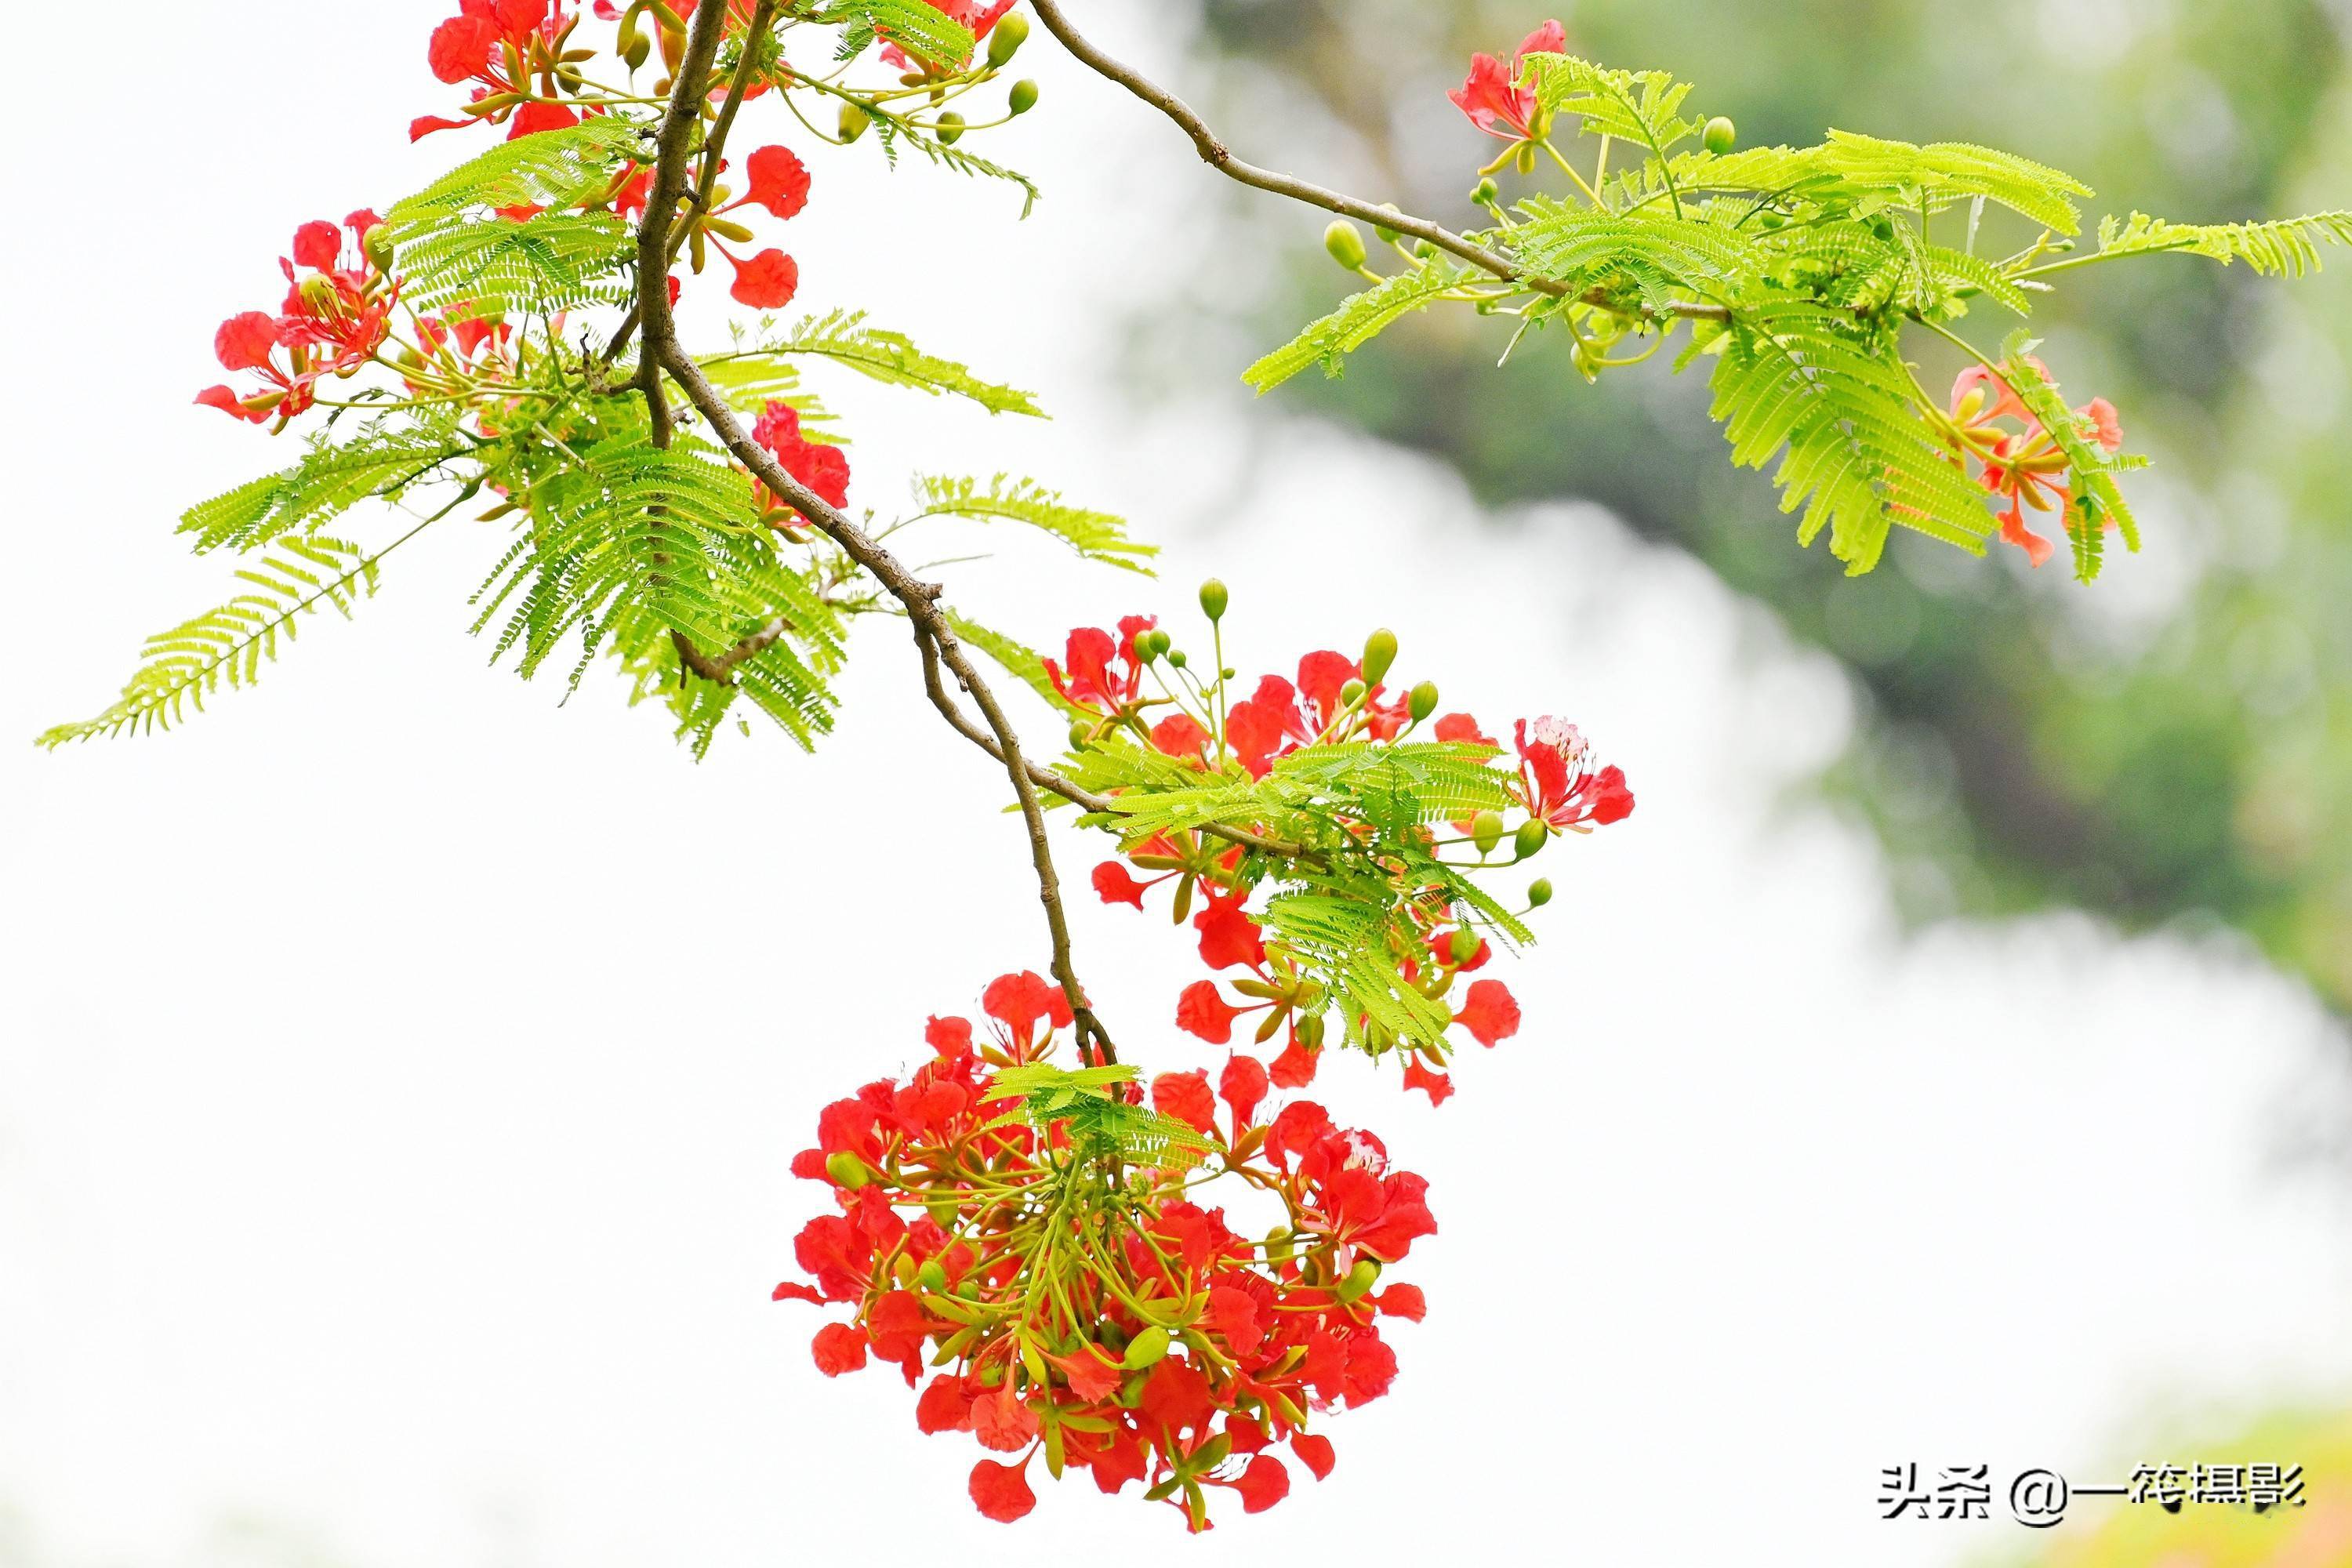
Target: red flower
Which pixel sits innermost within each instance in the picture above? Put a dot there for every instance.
(838, 1348)
(1554, 785)
(1202, 1010)
(779, 180)
(1103, 676)
(2027, 466)
(945, 1407)
(1491, 95)
(1491, 1014)
(824, 470)
(1179, 736)
(1228, 936)
(766, 282)
(1263, 1485)
(248, 341)
(1314, 1452)
(1243, 1086)
(1436, 1085)
(1117, 887)
(1020, 1002)
(1002, 1492)
(1185, 1096)
(1462, 728)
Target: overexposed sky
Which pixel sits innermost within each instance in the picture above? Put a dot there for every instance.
(398, 1072)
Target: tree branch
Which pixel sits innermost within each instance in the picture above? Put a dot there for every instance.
(658, 329)
(1217, 155)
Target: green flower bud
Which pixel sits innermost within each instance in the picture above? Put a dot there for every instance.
(854, 121)
(1345, 241)
(1425, 249)
(1720, 135)
(1024, 98)
(1176, 659)
(1539, 892)
(903, 1271)
(1532, 837)
(949, 127)
(1485, 193)
(847, 1170)
(1526, 161)
(1280, 1243)
(1146, 1349)
(377, 243)
(1771, 220)
(1380, 652)
(1153, 644)
(1213, 599)
(1465, 945)
(1487, 831)
(1388, 235)
(1080, 734)
(1311, 1032)
(932, 1275)
(1010, 32)
(1228, 673)
(1361, 1279)
(1423, 701)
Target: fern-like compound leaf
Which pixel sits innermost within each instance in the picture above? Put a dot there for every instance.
(1097, 535)
(1360, 319)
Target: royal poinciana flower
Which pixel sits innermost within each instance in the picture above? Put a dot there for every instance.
(823, 468)
(1491, 95)
(1557, 784)
(2026, 465)
(510, 49)
(1068, 1310)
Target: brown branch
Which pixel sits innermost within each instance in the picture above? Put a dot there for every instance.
(1217, 155)
(721, 670)
(663, 353)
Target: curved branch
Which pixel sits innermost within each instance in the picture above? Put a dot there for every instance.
(1218, 156)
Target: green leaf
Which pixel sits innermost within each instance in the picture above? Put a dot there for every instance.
(380, 460)
(2283, 248)
(494, 266)
(920, 29)
(1943, 172)
(1098, 535)
(560, 168)
(1360, 319)
(889, 357)
(229, 645)
(1024, 664)
(2097, 497)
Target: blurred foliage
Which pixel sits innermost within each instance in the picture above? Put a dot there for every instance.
(2100, 1532)
(2173, 744)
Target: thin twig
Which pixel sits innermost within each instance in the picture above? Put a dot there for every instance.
(1217, 155)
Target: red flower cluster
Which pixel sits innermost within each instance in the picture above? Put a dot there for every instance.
(1099, 1317)
(824, 469)
(332, 322)
(2026, 465)
(501, 45)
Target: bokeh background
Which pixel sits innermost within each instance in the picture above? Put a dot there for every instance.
(1946, 1065)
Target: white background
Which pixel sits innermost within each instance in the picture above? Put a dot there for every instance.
(399, 1072)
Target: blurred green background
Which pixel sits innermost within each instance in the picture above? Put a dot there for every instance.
(2170, 744)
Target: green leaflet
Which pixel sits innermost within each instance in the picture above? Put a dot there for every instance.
(1093, 1121)
(1018, 660)
(890, 136)
(380, 460)
(1098, 535)
(916, 27)
(1950, 171)
(493, 266)
(229, 645)
(559, 168)
(1359, 320)
(889, 357)
(2285, 247)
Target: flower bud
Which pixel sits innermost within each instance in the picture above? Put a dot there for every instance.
(1465, 945)
(1351, 693)
(318, 293)
(377, 245)
(1345, 241)
(1539, 892)
(1487, 831)
(1080, 734)
(932, 1275)
(1010, 32)
(1388, 235)
(949, 127)
(1721, 136)
(636, 51)
(1533, 836)
(1157, 639)
(1213, 599)
(1526, 161)
(1280, 1243)
(1423, 701)
(1023, 96)
(854, 121)
(847, 1170)
(1485, 193)
(903, 1271)
(1146, 1349)
(1380, 652)
(1361, 1279)
(1177, 659)
(1311, 1032)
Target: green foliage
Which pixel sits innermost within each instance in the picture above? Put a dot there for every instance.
(626, 546)
(1019, 661)
(2099, 501)
(891, 133)
(190, 662)
(1098, 535)
(1636, 107)
(889, 357)
(918, 28)
(2287, 247)
(1359, 320)
(496, 267)
(1097, 1124)
(560, 168)
(381, 459)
